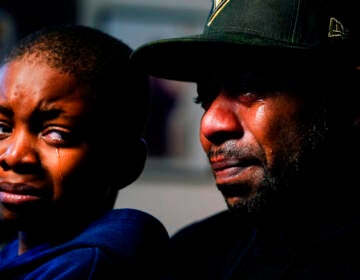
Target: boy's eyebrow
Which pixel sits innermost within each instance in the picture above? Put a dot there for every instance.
(48, 113)
(6, 111)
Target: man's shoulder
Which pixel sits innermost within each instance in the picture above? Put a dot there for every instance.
(220, 231)
(206, 224)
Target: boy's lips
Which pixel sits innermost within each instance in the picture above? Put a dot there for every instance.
(11, 193)
(16, 198)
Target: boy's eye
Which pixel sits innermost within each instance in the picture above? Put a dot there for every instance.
(5, 130)
(57, 137)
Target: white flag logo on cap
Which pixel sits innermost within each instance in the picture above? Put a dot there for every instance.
(337, 29)
(218, 6)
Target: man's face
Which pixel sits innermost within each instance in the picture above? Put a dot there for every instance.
(255, 137)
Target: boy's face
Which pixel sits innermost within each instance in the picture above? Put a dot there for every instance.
(47, 156)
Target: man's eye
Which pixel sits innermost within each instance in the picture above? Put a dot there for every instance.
(207, 92)
(249, 98)
(203, 100)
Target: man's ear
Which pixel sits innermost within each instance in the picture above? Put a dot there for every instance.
(135, 162)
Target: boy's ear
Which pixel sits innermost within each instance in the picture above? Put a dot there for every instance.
(134, 164)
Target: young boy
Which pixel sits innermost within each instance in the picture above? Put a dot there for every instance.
(72, 112)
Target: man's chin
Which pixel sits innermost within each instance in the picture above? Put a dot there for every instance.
(235, 202)
(252, 204)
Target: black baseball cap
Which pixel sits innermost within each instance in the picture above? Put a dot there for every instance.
(302, 34)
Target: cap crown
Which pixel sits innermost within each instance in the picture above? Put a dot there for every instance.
(283, 23)
(296, 34)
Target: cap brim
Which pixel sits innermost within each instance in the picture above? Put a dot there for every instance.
(190, 58)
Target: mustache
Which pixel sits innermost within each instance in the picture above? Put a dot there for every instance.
(231, 150)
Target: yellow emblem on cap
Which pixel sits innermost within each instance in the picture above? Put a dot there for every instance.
(218, 5)
(337, 29)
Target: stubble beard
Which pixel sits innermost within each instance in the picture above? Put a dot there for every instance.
(283, 182)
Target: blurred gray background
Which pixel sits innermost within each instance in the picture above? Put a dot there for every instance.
(176, 185)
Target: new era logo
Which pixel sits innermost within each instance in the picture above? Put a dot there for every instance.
(337, 29)
(218, 5)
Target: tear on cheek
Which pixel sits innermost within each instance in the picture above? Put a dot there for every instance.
(59, 169)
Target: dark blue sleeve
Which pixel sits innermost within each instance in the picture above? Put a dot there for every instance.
(82, 263)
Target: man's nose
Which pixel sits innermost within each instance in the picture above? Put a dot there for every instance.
(221, 120)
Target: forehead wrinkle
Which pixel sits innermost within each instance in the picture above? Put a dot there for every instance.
(49, 111)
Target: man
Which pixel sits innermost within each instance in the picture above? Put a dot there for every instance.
(278, 81)
(67, 146)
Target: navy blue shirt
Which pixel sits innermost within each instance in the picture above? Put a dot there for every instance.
(123, 244)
